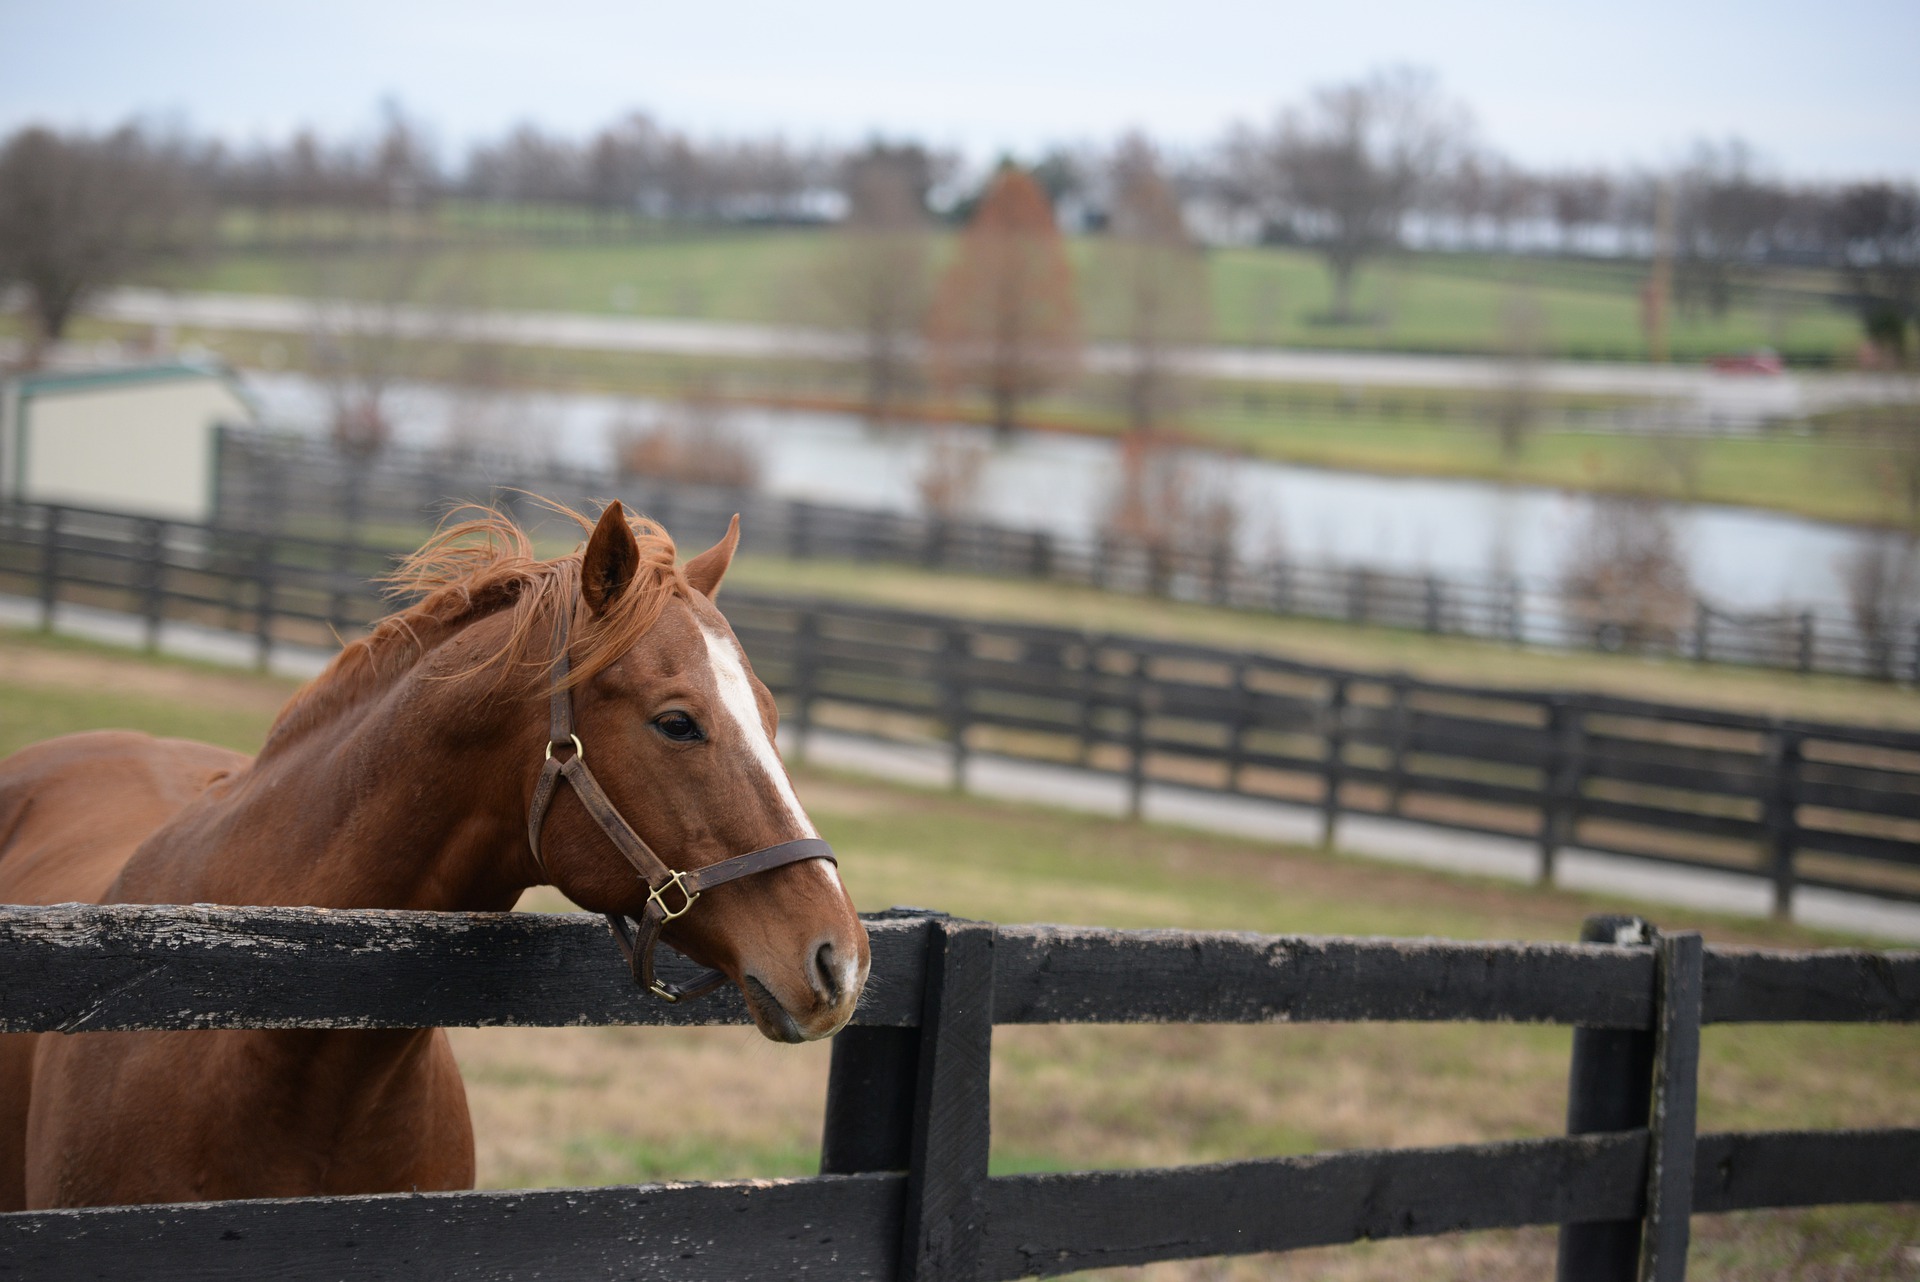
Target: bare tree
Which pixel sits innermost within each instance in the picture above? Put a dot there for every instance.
(1516, 400)
(1879, 576)
(1154, 279)
(1005, 318)
(875, 277)
(1578, 201)
(1876, 232)
(1624, 578)
(692, 442)
(1724, 218)
(1351, 164)
(80, 213)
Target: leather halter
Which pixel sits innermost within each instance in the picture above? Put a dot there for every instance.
(637, 939)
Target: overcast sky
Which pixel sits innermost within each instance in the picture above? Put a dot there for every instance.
(1820, 91)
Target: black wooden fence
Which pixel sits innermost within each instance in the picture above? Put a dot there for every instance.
(1802, 804)
(905, 1190)
(278, 482)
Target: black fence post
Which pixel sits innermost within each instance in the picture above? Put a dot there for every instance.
(1435, 611)
(1702, 624)
(263, 582)
(49, 564)
(1609, 1088)
(1783, 768)
(1137, 739)
(1237, 726)
(1566, 765)
(805, 631)
(1806, 641)
(945, 1223)
(871, 1087)
(1400, 731)
(954, 650)
(1334, 728)
(1676, 1080)
(152, 590)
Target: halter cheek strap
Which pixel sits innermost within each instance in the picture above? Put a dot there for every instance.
(670, 893)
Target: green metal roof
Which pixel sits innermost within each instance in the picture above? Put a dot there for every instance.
(31, 385)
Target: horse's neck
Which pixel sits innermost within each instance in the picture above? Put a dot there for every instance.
(412, 798)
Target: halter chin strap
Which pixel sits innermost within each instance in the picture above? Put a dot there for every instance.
(670, 893)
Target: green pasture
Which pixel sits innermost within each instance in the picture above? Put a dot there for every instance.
(575, 1105)
(1260, 296)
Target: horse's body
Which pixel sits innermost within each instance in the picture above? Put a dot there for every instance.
(401, 778)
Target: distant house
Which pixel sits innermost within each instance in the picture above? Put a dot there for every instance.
(129, 439)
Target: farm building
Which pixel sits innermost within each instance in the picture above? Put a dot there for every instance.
(128, 438)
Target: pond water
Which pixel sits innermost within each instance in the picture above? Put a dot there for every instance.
(1740, 558)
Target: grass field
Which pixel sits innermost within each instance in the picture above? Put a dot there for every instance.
(1260, 296)
(564, 1106)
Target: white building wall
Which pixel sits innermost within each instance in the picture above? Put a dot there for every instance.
(144, 447)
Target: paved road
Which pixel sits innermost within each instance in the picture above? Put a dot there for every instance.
(1735, 397)
(1391, 840)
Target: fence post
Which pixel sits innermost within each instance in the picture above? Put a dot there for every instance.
(953, 699)
(1806, 641)
(1676, 1081)
(263, 581)
(1566, 764)
(1137, 739)
(49, 564)
(1434, 603)
(1702, 621)
(870, 1093)
(1334, 717)
(799, 544)
(1237, 727)
(945, 1222)
(1609, 1088)
(805, 630)
(1280, 588)
(1400, 728)
(1783, 767)
(1040, 556)
(152, 567)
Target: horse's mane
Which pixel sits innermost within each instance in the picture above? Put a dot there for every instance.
(483, 566)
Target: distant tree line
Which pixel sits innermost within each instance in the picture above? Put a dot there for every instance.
(1353, 171)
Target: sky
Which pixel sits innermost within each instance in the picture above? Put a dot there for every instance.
(1825, 91)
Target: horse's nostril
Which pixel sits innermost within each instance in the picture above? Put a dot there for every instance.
(826, 979)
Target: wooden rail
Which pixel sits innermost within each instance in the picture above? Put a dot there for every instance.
(1800, 804)
(904, 1191)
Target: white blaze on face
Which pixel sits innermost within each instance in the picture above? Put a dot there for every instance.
(737, 701)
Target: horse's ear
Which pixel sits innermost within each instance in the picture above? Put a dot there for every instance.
(705, 571)
(612, 556)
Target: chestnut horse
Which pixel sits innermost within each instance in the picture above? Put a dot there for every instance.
(402, 777)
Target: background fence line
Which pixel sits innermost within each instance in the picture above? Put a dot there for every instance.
(290, 484)
(1800, 804)
(905, 1191)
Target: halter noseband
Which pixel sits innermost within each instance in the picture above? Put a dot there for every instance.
(637, 939)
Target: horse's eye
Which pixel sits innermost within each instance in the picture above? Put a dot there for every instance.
(677, 726)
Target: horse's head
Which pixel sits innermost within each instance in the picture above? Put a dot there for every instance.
(680, 735)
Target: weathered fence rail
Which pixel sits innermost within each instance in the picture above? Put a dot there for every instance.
(1800, 804)
(276, 482)
(905, 1190)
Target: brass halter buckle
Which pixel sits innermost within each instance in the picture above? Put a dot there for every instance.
(654, 896)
